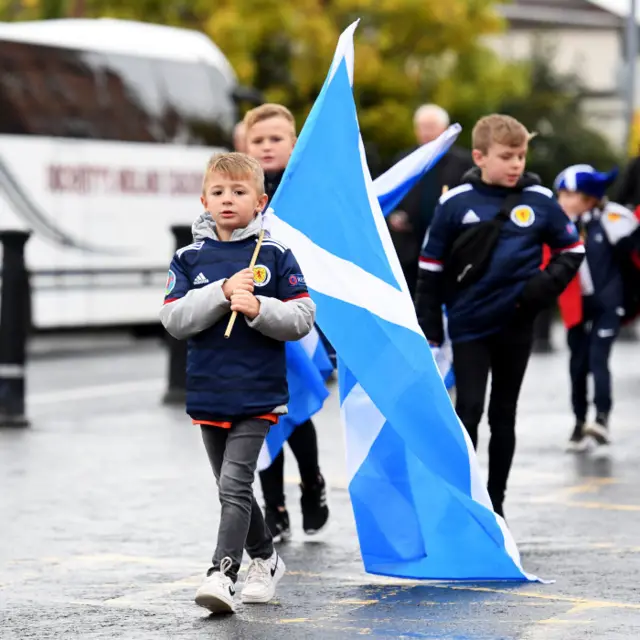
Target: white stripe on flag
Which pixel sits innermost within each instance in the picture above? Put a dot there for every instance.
(310, 342)
(365, 422)
(344, 280)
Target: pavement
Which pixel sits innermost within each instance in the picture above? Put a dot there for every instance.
(108, 514)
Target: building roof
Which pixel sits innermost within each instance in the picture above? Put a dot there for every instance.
(120, 36)
(562, 13)
(617, 7)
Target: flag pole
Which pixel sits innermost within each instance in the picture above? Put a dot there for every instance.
(252, 264)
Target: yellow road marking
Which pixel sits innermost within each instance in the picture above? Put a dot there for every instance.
(585, 603)
(293, 620)
(602, 505)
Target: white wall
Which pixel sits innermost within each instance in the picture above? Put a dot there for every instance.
(595, 56)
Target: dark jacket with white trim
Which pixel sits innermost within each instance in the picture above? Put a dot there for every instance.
(513, 281)
(244, 375)
(608, 276)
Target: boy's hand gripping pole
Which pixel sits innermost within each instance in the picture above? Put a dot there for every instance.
(252, 264)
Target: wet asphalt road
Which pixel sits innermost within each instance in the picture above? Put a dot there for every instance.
(108, 515)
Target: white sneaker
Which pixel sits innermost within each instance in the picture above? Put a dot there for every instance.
(217, 591)
(599, 433)
(262, 578)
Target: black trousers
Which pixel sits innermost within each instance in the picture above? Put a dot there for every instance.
(304, 445)
(506, 355)
(590, 343)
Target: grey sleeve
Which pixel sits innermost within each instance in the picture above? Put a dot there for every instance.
(286, 321)
(199, 309)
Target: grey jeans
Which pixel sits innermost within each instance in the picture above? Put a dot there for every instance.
(233, 454)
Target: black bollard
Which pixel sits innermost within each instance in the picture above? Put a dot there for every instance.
(15, 323)
(176, 390)
(542, 331)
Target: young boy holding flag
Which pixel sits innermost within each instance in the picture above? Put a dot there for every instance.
(236, 383)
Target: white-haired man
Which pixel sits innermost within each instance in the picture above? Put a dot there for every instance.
(410, 222)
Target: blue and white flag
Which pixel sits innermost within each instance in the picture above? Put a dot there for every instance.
(421, 507)
(306, 400)
(393, 185)
(308, 366)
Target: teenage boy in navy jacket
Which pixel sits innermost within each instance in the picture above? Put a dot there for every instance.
(490, 321)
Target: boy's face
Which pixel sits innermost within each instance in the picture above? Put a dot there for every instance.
(271, 142)
(575, 203)
(232, 203)
(501, 165)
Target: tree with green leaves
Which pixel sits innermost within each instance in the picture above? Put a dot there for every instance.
(407, 51)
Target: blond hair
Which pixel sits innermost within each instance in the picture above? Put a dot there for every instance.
(267, 111)
(236, 166)
(499, 129)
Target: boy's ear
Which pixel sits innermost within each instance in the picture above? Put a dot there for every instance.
(262, 202)
(204, 203)
(478, 157)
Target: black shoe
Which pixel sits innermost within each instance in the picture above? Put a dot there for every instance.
(315, 512)
(278, 524)
(578, 441)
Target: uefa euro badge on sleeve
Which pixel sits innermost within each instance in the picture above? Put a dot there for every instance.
(171, 283)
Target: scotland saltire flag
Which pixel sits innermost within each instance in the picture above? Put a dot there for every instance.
(420, 504)
(306, 396)
(308, 366)
(393, 185)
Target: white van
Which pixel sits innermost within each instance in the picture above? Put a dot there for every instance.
(105, 130)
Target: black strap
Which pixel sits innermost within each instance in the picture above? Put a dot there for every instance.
(508, 204)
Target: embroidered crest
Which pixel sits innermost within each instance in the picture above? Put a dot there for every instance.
(261, 275)
(523, 215)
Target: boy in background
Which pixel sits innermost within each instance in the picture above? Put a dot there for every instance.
(593, 306)
(270, 137)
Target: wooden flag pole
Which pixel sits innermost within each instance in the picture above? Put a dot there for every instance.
(252, 264)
